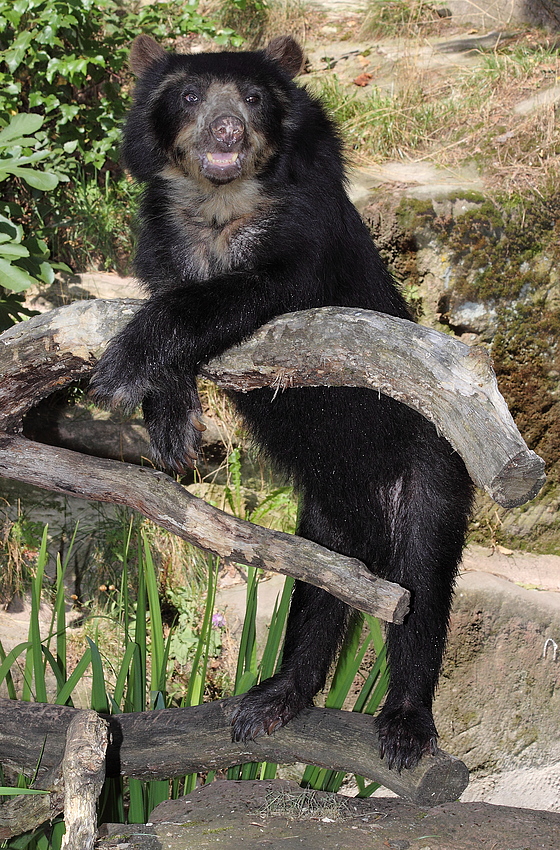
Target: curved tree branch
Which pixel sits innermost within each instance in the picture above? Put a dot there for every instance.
(447, 381)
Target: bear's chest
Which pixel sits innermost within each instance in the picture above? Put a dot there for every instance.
(219, 249)
(217, 229)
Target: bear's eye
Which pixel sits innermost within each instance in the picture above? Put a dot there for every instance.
(253, 99)
(191, 97)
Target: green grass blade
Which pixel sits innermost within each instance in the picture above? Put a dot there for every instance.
(157, 792)
(158, 674)
(34, 666)
(55, 667)
(271, 657)
(57, 834)
(247, 657)
(123, 674)
(348, 665)
(60, 612)
(125, 600)
(197, 681)
(10, 686)
(99, 701)
(71, 683)
(368, 686)
(137, 808)
(365, 789)
(139, 676)
(6, 791)
(10, 658)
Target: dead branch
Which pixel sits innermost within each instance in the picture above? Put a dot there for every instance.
(73, 783)
(167, 503)
(173, 742)
(83, 772)
(450, 383)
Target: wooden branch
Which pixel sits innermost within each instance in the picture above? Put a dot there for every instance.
(171, 506)
(447, 381)
(172, 742)
(74, 783)
(83, 772)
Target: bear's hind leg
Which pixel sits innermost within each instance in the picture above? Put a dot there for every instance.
(427, 511)
(316, 626)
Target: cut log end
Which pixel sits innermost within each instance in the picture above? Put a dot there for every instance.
(519, 481)
(443, 781)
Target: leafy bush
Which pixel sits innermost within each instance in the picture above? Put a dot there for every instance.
(23, 260)
(67, 59)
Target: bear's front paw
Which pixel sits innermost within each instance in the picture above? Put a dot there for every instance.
(266, 708)
(120, 378)
(405, 735)
(175, 430)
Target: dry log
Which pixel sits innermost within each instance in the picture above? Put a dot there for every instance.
(73, 783)
(447, 381)
(171, 506)
(83, 772)
(172, 742)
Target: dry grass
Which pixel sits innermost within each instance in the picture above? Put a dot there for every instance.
(458, 115)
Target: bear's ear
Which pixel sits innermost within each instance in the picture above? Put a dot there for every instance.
(287, 53)
(143, 53)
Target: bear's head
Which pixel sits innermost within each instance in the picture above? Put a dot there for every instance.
(216, 117)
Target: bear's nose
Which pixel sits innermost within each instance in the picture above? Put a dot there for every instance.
(227, 129)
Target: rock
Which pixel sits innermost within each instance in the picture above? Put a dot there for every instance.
(498, 704)
(464, 316)
(490, 14)
(278, 813)
(81, 287)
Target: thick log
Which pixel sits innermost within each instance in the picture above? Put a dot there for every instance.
(173, 742)
(447, 381)
(83, 772)
(73, 783)
(171, 506)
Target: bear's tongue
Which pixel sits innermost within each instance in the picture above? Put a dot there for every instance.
(222, 159)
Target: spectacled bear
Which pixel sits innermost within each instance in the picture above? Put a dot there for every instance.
(244, 217)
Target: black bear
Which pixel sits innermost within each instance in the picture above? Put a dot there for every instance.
(244, 217)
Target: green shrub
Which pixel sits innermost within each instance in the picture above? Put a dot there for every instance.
(24, 157)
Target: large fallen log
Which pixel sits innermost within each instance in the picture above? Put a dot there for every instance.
(173, 742)
(447, 381)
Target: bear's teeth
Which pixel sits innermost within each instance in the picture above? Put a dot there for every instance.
(222, 158)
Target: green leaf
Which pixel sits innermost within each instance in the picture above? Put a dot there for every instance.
(15, 55)
(14, 278)
(21, 125)
(12, 249)
(42, 180)
(9, 228)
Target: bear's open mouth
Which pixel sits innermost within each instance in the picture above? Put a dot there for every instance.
(222, 166)
(222, 160)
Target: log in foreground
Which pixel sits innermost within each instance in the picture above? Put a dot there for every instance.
(171, 506)
(83, 772)
(172, 742)
(447, 381)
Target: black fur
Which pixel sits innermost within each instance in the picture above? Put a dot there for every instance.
(239, 226)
